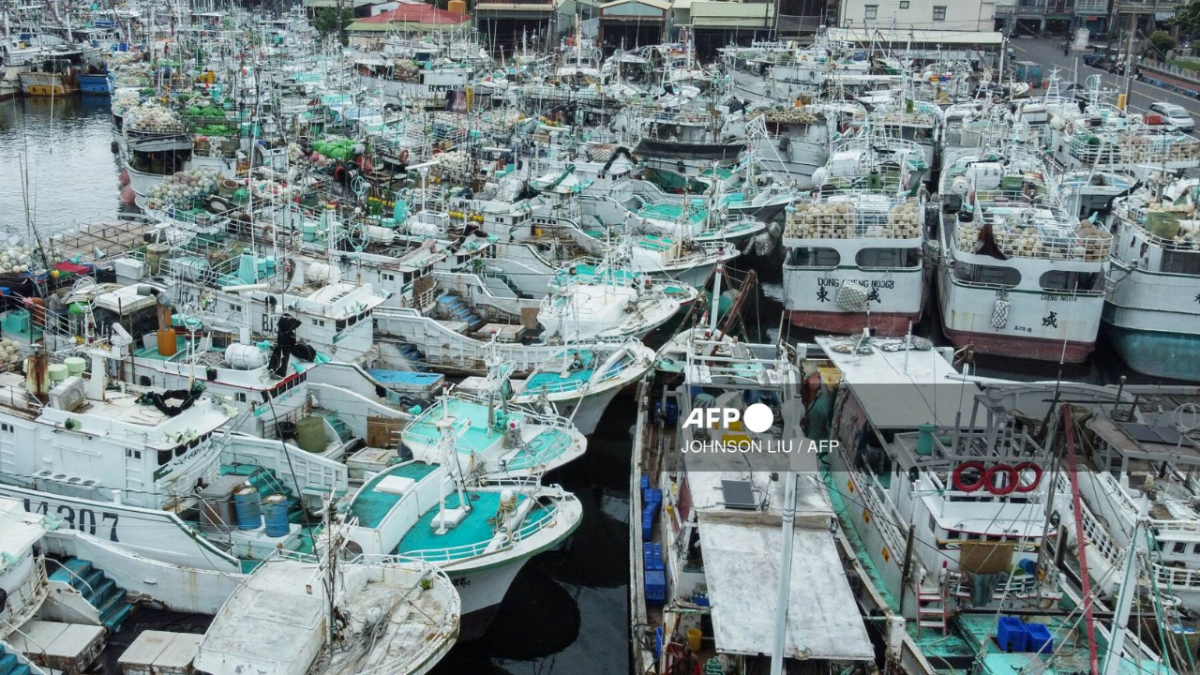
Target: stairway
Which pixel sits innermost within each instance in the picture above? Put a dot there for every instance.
(414, 357)
(343, 431)
(460, 310)
(265, 481)
(507, 282)
(101, 592)
(931, 610)
(11, 665)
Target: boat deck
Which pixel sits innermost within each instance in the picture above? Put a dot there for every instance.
(470, 537)
(372, 505)
(480, 439)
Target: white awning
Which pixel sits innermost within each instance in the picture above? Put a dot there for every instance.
(741, 563)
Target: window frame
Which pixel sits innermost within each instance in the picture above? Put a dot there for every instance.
(870, 12)
(936, 9)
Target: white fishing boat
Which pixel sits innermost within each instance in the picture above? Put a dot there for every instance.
(1150, 310)
(1020, 276)
(294, 615)
(479, 533)
(855, 254)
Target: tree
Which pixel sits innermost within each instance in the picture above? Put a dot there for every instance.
(1187, 20)
(326, 21)
(1161, 42)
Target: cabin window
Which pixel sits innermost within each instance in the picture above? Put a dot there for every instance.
(6, 427)
(991, 275)
(1179, 547)
(932, 524)
(870, 12)
(133, 454)
(887, 257)
(952, 535)
(939, 13)
(164, 456)
(389, 277)
(1181, 262)
(235, 308)
(814, 256)
(1080, 282)
(340, 325)
(903, 4)
(240, 397)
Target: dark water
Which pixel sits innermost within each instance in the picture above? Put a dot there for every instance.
(63, 147)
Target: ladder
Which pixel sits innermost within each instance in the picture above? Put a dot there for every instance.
(932, 612)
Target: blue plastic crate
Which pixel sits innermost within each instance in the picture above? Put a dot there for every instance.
(652, 497)
(656, 587)
(1011, 634)
(647, 524)
(1040, 640)
(652, 556)
(645, 483)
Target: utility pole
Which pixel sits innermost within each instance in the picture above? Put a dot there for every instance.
(1129, 59)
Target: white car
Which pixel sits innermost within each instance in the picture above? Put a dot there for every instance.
(1176, 117)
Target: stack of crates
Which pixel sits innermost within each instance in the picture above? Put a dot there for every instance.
(652, 556)
(1040, 639)
(1011, 634)
(652, 498)
(656, 587)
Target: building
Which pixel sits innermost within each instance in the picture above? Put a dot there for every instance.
(537, 23)
(633, 23)
(980, 46)
(935, 15)
(405, 18)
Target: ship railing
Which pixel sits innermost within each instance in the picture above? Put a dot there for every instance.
(875, 500)
(71, 574)
(453, 553)
(1020, 586)
(1057, 241)
(1135, 148)
(133, 132)
(1139, 218)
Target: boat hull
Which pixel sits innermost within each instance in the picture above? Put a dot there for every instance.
(886, 324)
(481, 592)
(1022, 347)
(1162, 354)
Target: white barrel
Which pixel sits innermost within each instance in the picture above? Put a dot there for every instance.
(58, 373)
(320, 274)
(245, 357)
(379, 235)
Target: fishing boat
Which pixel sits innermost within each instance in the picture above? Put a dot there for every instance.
(340, 617)
(480, 533)
(724, 552)
(855, 254)
(947, 495)
(1020, 276)
(1150, 313)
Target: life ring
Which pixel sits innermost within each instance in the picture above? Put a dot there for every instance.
(437, 151)
(989, 479)
(957, 477)
(339, 172)
(404, 156)
(1037, 476)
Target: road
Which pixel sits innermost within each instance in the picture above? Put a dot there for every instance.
(1048, 52)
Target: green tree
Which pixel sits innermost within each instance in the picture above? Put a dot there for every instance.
(1161, 42)
(326, 21)
(1187, 20)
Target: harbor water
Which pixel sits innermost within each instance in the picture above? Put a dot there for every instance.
(61, 149)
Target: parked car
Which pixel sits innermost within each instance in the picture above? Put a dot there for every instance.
(1175, 117)
(1093, 60)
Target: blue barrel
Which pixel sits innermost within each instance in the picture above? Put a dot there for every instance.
(275, 515)
(248, 508)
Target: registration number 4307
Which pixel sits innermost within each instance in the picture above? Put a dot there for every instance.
(84, 520)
